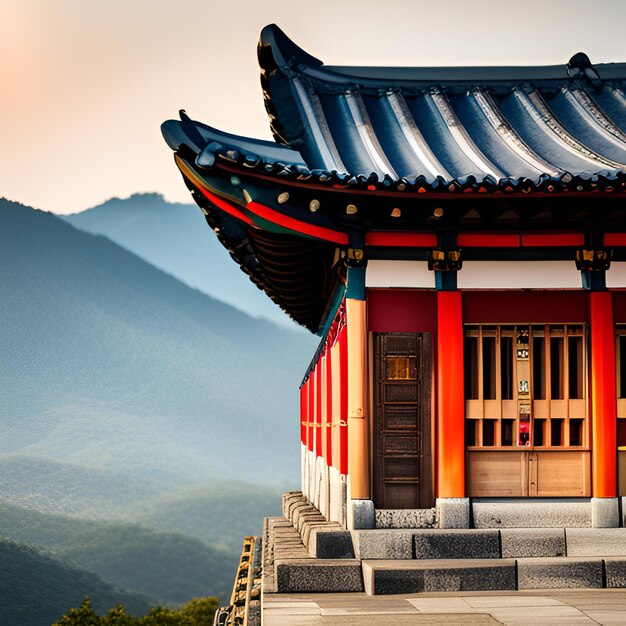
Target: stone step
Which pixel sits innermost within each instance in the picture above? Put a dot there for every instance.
(417, 576)
(560, 573)
(595, 541)
(318, 575)
(426, 544)
(453, 575)
(321, 538)
(532, 542)
(530, 513)
(488, 543)
(456, 544)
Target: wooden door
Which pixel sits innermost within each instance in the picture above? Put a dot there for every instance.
(402, 421)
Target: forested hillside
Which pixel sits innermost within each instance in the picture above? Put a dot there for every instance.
(169, 567)
(35, 589)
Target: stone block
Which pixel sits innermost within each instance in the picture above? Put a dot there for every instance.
(295, 501)
(406, 518)
(318, 576)
(288, 498)
(532, 542)
(604, 512)
(596, 541)
(303, 516)
(453, 512)
(615, 571)
(393, 577)
(298, 507)
(456, 544)
(363, 514)
(309, 526)
(544, 513)
(330, 544)
(383, 544)
(559, 573)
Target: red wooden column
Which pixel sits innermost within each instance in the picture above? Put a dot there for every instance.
(603, 395)
(304, 405)
(343, 400)
(450, 400)
(358, 427)
(311, 413)
(329, 407)
(358, 422)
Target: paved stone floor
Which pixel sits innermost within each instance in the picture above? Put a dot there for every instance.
(571, 606)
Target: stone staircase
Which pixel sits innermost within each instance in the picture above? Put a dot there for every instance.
(305, 553)
(412, 561)
(310, 554)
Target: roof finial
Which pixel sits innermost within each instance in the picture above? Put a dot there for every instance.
(580, 66)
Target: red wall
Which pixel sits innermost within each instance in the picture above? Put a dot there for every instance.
(619, 307)
(492, 307)
(401, 311)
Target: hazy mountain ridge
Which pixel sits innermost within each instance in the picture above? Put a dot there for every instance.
(176, 238)
(117, 365)
(65, 488)
(220, 515)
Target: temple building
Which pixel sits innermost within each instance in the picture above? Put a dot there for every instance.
(457, 239)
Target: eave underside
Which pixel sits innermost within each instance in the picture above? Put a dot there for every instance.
(300, 272)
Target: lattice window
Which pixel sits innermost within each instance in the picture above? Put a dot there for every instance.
(526, 386)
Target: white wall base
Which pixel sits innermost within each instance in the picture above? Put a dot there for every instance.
(337, 493)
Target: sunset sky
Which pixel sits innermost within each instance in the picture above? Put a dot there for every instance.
(86, 83)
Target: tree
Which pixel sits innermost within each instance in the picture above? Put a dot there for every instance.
(83, 616)
(197, 612)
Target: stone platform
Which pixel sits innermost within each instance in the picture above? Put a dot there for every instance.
(306, 553)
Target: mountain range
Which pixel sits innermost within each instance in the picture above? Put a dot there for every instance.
(148, 418)
(112, 364)
(165, 566)
(176, 238)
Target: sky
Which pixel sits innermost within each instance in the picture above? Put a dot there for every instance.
(87, 83)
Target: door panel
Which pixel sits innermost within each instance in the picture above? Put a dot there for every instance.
(401, 420)
(497, 474)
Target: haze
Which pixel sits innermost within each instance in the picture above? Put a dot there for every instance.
(86, 84)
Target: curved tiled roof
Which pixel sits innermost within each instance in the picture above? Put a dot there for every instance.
(439, 126)
(363, 153)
